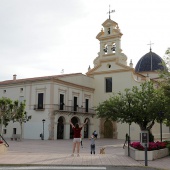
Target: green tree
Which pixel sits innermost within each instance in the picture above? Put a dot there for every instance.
(19, 114)
(166, 74)
(139, 105)
(165, 84)
(6, 107)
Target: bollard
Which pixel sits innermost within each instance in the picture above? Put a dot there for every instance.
(146, 155)
(128, 146)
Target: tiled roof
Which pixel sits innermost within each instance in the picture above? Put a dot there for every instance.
(149, 62)
(37, 78)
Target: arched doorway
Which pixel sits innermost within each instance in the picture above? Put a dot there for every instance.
(60, 128)
(108, 129)
(74, 120)
(86, 129)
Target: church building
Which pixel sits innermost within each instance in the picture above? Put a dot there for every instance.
(52, 101)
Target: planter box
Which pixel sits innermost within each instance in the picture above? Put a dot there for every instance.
(3, 149)
(151, 155)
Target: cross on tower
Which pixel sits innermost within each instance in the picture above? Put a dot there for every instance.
(110, 11)
(150, 45)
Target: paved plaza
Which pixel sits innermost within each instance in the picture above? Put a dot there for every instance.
(58, 152)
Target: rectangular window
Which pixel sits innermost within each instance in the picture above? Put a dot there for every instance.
(4, 131)
(61, 101)
(14, 130)
(75, 104)
(21, 90)
(87, 105)
(40, 100)
(108, 84)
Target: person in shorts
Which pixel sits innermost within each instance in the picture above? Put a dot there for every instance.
(77, 136)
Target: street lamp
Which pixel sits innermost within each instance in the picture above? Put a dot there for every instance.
(129, 130)
(161, 117)
(43, 129)
(129, 102)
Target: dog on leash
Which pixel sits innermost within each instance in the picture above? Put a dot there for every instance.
(102, 151)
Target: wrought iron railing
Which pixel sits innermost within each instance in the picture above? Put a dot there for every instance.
(77, 109)
(63, 108)
(39, 107)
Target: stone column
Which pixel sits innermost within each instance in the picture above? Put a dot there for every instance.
(109, 46)
(117, 46)
(51, 125)
(67, 130)
(101, 48)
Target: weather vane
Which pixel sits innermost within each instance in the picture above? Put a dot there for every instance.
(110, 11)
(150, 45)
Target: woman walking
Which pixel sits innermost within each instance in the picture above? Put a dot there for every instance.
(77, 136)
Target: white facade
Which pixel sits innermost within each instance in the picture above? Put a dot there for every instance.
(51, 88)
(58, 99)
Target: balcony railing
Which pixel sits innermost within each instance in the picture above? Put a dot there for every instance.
(73, 109)
(63, 108)
(39, 107)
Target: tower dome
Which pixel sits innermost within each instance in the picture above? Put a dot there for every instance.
(150, 62)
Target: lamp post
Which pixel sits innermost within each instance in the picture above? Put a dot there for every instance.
(43, 129)
(129, 102)
(160, 116)
(129, 130)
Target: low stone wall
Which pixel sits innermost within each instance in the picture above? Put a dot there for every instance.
(3, 149)
(151, 155)
(165, 136)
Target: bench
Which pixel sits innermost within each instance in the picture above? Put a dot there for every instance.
(16, 137)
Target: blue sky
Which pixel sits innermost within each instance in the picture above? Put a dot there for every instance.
(44, 37)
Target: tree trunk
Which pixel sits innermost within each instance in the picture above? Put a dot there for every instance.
(1, 132)
(143, 126)
(21, 130)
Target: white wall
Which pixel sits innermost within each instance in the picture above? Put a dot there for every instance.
(51, 90)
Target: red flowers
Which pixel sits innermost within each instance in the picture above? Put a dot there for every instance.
(1, 141)
(152, 145)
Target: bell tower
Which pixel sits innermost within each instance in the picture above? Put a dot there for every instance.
(109, 38)
(110, 43)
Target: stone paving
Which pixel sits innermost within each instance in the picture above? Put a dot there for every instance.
(58, 152)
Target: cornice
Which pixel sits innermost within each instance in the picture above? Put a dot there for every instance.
(109, 37)
(109, 72)
(111, 22)
(50, 80)
(73, 85)
(125, 68)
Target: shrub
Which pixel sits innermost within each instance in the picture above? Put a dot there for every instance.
(168, 145)
(152, 145)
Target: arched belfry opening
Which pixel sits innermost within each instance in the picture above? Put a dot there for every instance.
(113, 48)
(105, 49)
(60, 128)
